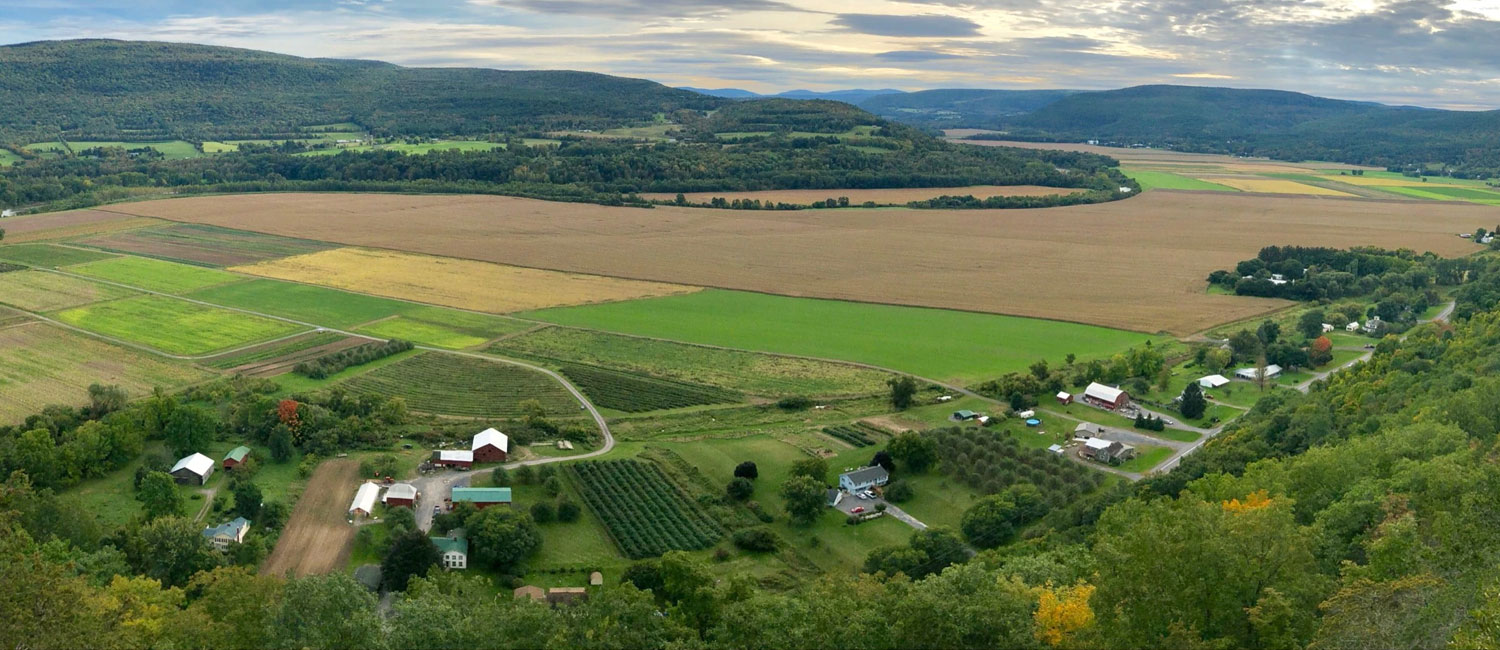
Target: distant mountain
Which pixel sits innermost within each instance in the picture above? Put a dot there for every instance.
(726, 93)
(104, 89)
(853, 96)
(962, 107)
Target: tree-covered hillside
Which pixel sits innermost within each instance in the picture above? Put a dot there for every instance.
(108, 90)
(962, 107)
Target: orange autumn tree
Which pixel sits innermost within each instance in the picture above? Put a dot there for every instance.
(1062, 612)
(1253, 501)
(1320, 351)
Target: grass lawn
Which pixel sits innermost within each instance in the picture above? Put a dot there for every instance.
(940, 344)
(49, 256)
(1152, 180)
(1090, 414)
(8, 158)
(174, 326)
(939, 500)
(155, 275)
(1146, 458)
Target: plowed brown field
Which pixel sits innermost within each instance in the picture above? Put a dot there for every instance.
(73, 223)
(1137, 264)
(318, 536)
(883, 196)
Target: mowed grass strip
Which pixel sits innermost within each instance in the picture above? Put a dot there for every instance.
(758, 374)
(174, 326)
(41, 291)
(446, 384)
(155, 275)
(49, 256)
(465, 284)
(934, 343)
(43, 364)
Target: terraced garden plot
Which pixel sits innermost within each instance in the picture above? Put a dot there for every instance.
(174, 326)
(633, 393)
(155, 275)
(206, 244)
(41, 291)
(42, 364)
(748, 372)
(48, 255)
(644, 511)
(447, 384)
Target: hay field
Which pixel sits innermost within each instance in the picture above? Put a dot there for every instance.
(73, 223)
(42, 364)
(881, 196)
(1272, 186)
(174, 326)
(40, 291)
(155, 275)
(1136, 264)
(465, 284)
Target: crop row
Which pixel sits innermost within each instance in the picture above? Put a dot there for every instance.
(634, 393)
(991, 462)
(850, 434)
(644, 512)
(452, 385)
(266, 353)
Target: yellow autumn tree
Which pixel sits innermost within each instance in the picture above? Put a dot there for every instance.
(1062, 612)
(1253, 501)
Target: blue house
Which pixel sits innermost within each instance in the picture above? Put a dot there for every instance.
(864, 478)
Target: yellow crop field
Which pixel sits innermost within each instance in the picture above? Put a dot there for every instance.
(465, 284)
(1273, 186)
(1377, 181)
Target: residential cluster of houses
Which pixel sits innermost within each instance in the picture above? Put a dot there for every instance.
(1098, 449)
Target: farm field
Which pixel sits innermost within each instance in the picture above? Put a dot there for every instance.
(1273, 186)
(272, 352)
(205, 244)
(73, 223)
(326, 307)
(414, 149)
(8, 158)
(939, 344)
(858, 196)
(154, 275)
(49, 255)
(645, 513)
(172, 149)
(634, 393)
(317, 537)
(42, 364)
(465, 284)
(758, 374)
(443, 328)
(174, 326)
(1157, 247)
(1158, 180)
(41, 291)
(446, 384)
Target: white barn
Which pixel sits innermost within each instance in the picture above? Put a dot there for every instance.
(364, 500)
(1251, 374)
(1213, 381)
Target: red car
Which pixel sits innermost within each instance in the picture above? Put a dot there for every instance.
(857, 510)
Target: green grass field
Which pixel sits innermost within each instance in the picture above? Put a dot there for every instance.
(443, 328)
(1437, 192)
(174, 326)
(172, 149)
(1152, 180)
(1146, 458)
(412, 149)
(447, 384)
(424, 333)
(155, 275)
(219, 147)
(940, 344)
(8, 158)
(292, 383)
(304, 302)
(757, 374)
(41, 291)
(48, 255)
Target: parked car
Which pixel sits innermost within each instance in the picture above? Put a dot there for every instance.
(857, 510)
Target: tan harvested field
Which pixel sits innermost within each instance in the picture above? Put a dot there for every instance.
(900, 196)
(1271, 185)
(318, 536)
(40, 291)
(41, 364)
(462, 283)
(1137, 264)
(73, 223)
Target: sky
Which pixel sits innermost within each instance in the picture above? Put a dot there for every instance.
(1439, 53)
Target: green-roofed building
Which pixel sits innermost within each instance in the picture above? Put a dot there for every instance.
(236, 456)
(481, 497)
(454, 551)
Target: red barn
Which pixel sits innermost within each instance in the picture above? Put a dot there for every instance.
(481, 497)
(236, 456)
(455, 459)
(490, 446)
(1107, 397)
(401, 494)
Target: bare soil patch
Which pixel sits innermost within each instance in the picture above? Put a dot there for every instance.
(887, 196)
(1136, 264)
(54, 225)
(318, 537)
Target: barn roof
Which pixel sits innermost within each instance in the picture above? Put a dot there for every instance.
(1099, 391)
(238, 454)
(1097, 443)
(364, 499)
(481, 495)
(1212, 381)
(491, 437)
(196, 463)
(461, 456)
(400, 491)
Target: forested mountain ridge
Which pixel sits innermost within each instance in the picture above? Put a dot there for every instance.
(106, 90)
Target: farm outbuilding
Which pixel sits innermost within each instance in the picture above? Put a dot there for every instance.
(193, 470)
(481, 497)
(1064, 398)
(400, 494)
(1107, 397)
(364, 500)
(1251, 374)
(1213, 381)
(236, 456)
(461, 459)
(490, 446)
(964, 415)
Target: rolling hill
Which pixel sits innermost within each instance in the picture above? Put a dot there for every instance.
(106, 90)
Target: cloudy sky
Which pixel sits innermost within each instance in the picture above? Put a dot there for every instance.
(1428, 52)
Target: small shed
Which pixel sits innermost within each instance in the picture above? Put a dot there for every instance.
(1064, 398)
(7, 213)
(1056, 449)
(481, 497)
(364, 500)
(1107, 397)
(1087, 430)
(864, 478)
(596, 579)
(400, 494)
(1327, 327)
(193, 470)
(460, 459)
(963, 415)
(490, 446)
(833, 496)
(236, 456)
(1213, 381)
(1352, 327)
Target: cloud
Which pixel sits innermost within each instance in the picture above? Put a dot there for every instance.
(639, 8)
(928, 25)
(915, 56)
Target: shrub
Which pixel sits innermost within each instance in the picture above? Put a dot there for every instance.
(332, 363)
(899, 491)
(542, 512)
(739, 488)
(756, 539)
(794, 403)
(567, 511)
(746, 470)
(500, 477)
